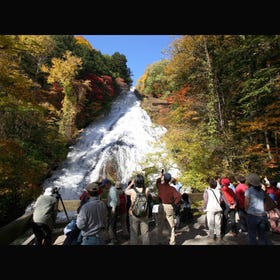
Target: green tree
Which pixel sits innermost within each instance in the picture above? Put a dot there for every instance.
(36, 51)
(119, 68)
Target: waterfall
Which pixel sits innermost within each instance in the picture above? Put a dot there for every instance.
(117, 142)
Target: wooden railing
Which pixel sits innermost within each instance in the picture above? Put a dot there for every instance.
(14, 229)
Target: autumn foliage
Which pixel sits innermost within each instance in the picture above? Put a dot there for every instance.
(224, 111)
(52, 86)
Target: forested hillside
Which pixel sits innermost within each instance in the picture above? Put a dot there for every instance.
(51, 87)
(219, 97)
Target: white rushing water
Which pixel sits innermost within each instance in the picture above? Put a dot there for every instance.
(123, 137)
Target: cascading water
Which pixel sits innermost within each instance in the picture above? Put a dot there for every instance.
(118, 141)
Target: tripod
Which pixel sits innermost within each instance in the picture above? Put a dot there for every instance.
(58, 196)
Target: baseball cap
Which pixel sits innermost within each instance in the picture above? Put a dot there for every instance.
(225, 182)
(167, 176)
(48, 191)
(92, 187)
(104, 182)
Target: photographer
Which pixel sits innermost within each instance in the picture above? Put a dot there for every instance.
(170, 198)
(44, 216)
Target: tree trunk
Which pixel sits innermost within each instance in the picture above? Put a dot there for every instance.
(215, 104)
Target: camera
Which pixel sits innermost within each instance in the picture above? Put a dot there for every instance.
(56, 192)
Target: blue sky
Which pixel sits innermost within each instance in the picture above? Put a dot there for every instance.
(140, 50)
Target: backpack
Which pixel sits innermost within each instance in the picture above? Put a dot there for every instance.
(140, 206)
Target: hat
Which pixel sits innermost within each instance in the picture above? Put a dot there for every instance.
(48, 191)
(92, 187)
(225, 182)
(278, 185)
(241, 178)
(104, 182)
(167, 176)
(254, 180)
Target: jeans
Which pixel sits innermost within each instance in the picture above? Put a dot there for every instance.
(256, 226)
(93, 240)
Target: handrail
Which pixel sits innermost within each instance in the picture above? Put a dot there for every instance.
(11, 231)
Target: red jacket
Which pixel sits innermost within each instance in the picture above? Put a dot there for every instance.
(228, 195)
(167, 193)
(122, 203)
(240, 194)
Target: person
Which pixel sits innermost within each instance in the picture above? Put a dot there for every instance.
(204, 197)
(274, 214)
(212, 206)
(44, 216)
(256, 215)
(122, 210)
(240, 196)
(217, 178)
(229, 206)
(72, 233)
(277, 194)
(92, 218)
(177, 185)
(128, 204)
(138, 222)
(113, 202)
(177, 209)
(186, 214)
(169, 197)
(271, 188)
(84, 197)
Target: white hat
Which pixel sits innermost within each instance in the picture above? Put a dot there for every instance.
(278, 185)
(48, 191)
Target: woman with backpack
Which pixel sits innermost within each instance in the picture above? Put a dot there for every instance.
(138, 211)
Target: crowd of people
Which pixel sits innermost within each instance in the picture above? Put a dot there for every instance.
(230, 209)
(234, 209)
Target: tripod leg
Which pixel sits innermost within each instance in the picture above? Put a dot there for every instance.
(64, 208)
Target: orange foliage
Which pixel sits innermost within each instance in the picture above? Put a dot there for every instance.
(257, 149)
(180, 97)
(56, 87)
(271, 164)
(169, 99)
